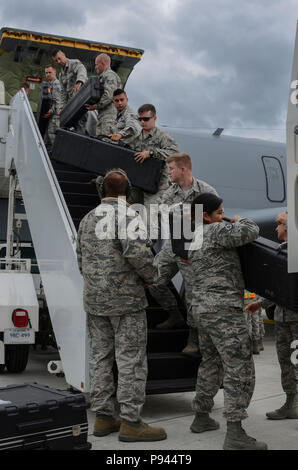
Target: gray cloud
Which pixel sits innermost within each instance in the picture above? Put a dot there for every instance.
(35, 15)
(206, 63)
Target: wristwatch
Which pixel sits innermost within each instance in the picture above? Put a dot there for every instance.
(151, 153)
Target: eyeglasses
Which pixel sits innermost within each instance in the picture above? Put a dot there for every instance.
(145, 118)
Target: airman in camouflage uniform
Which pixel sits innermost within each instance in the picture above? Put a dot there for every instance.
(114, 268)
(286, 331)
(217, 308)
(126, 126)
(153, 142)
(72, 76)
(53, 113)
(180, 169)
(109, 81)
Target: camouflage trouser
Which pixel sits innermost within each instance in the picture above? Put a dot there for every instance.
(122, 338)
(285, 333)
(167, 266)
(106, 123)
(255, 325)
(54, 123)
(226, 357)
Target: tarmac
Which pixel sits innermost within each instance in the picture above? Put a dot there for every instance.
(174, 411)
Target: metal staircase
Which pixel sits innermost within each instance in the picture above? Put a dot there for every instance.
(56, 197)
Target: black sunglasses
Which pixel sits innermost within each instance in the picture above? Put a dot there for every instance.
(145, 118)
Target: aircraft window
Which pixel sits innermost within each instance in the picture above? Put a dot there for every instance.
(275, 180)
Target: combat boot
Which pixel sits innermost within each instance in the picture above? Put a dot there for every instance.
(288, 411)
(105, 425)
(255, 346)
(202, 422)
(237, 439)
(175, 320)
(261, 345)
(134, 432)
(192, 346)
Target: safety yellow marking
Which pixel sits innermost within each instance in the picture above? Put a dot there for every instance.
(71, 43)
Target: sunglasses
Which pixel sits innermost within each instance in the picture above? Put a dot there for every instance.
(145, 118)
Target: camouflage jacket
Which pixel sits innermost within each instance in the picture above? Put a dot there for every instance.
(73, 72)
(175, 194)
(162, 145)
(109, 81)
(218, 281)
(56, 96)
(281, 314)
(126, 123)
(114, 267)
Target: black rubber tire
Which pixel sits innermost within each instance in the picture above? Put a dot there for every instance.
(16, 357)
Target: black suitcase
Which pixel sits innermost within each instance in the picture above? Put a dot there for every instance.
(44, 104)
(89, 93)
(178, 223)
(39, 417)
(94, 155)
(265, 271)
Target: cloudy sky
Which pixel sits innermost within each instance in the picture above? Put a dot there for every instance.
(207, 63)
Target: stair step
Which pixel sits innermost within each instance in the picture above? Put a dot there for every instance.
(171, 386)
(75, 176)
(163, 366)
(78, 212)
(91, 200)
(166, 341)
(65, 167)
(78, 188)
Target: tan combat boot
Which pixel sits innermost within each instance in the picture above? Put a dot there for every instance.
(175, 320)
(261, 345)
(105, 425)
(202, 422)
(288, 411)
(237, 439)
(192, 346)
(134, 432)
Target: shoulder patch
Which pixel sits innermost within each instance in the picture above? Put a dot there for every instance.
(227, 228)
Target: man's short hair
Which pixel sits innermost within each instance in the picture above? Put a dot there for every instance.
(180, 159)
(55, 52)
(50, 66)
(119, 91)
(24, 85)
(115, 182)
(147, 107)
(105, 58)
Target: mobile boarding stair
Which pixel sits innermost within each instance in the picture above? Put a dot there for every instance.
(56, 197)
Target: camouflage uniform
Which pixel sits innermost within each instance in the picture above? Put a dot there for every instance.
(54, 120)
(255, 322)
(114, 299)
(106, 110)
(217, 308)
(168, 264)
(163, 145)
(286, 331)
(73, 71)
(126, 124)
